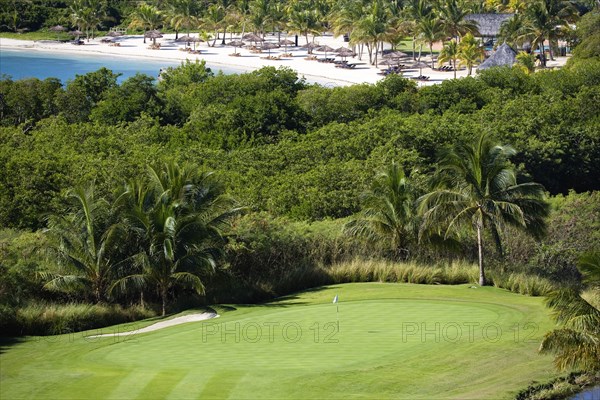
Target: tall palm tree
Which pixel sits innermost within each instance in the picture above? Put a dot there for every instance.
(303, 20)
(450, 53)
(147, 17)
(372, 28)
(260, 15)
(544, 20)
(388, 212)
(476, 188)
(417, 10)
(182, 14)
(577, 343)
(85, 244)
(430, 31)
(176, 217)
(452, 17)
(214, 20)
(470, 52)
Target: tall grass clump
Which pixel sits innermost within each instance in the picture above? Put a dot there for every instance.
(530, 285)
(360, 270)
(53, 319)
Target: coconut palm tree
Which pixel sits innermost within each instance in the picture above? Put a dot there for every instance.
(146, 17)
(544, 20)
(303, 20)
(470, 52)
(526, 62)
(260, 15)
(450, 53)
(214, 20)
(511, 31)
(576, 343)
(416, 10)
(85, 244)
(388, 213)
(476, 188)
(176, 217)
(182, 14)
(372, 28)
(451, 14)
(430, 31)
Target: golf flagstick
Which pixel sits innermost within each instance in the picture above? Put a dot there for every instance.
(337, 311)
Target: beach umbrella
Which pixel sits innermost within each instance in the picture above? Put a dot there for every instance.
(286, 43)
(76, 32)
(344, 52)
(236, 44)
(269, 46)
(390, 61)
(251, 37)
(325, 49)
(420, 65)
(57, 29)
(114, 34)
(153, 35)
(310, 47)
(185, 38)
(395, 54)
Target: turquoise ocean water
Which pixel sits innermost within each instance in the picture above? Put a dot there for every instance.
(19, 64)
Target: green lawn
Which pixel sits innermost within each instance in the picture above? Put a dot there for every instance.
(485, 347)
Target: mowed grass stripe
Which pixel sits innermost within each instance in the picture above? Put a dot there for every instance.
(221, 385)
(161, 385)
(190, 386)
(132, 384)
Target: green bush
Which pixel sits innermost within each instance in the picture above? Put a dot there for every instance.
(53, 319)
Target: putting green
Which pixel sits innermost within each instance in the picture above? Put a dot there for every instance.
(386, 341)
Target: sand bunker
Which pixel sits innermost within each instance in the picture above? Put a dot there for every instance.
(164, 324)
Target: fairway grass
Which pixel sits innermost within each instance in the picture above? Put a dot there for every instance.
(394, 341)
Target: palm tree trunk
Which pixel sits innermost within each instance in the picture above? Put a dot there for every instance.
(431, 53)
(414, 49)
(163, 294)
(454, 68)
(480, 251)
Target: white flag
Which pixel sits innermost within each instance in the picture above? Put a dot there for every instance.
(335, 299)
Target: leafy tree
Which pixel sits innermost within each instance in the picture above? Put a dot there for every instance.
(388, 212)
(575, 344)
(451, 53)
(127, 101)
(84, 92)
(84, 242)
(176, 218)
(27, 101)
(477, 188)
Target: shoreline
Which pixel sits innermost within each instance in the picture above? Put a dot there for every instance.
(218, 57)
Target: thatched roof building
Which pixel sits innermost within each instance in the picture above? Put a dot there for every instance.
(489, 24)
(503, 56)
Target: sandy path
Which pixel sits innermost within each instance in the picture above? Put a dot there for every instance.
(163, 324)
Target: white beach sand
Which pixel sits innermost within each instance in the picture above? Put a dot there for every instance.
(132, 46)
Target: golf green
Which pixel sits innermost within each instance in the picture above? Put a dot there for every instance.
(378, 341)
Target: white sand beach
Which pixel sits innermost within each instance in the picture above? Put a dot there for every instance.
(132, 46)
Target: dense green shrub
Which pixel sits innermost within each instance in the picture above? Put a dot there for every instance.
(53, 319)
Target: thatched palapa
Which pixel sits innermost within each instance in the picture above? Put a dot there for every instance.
(503, 56)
